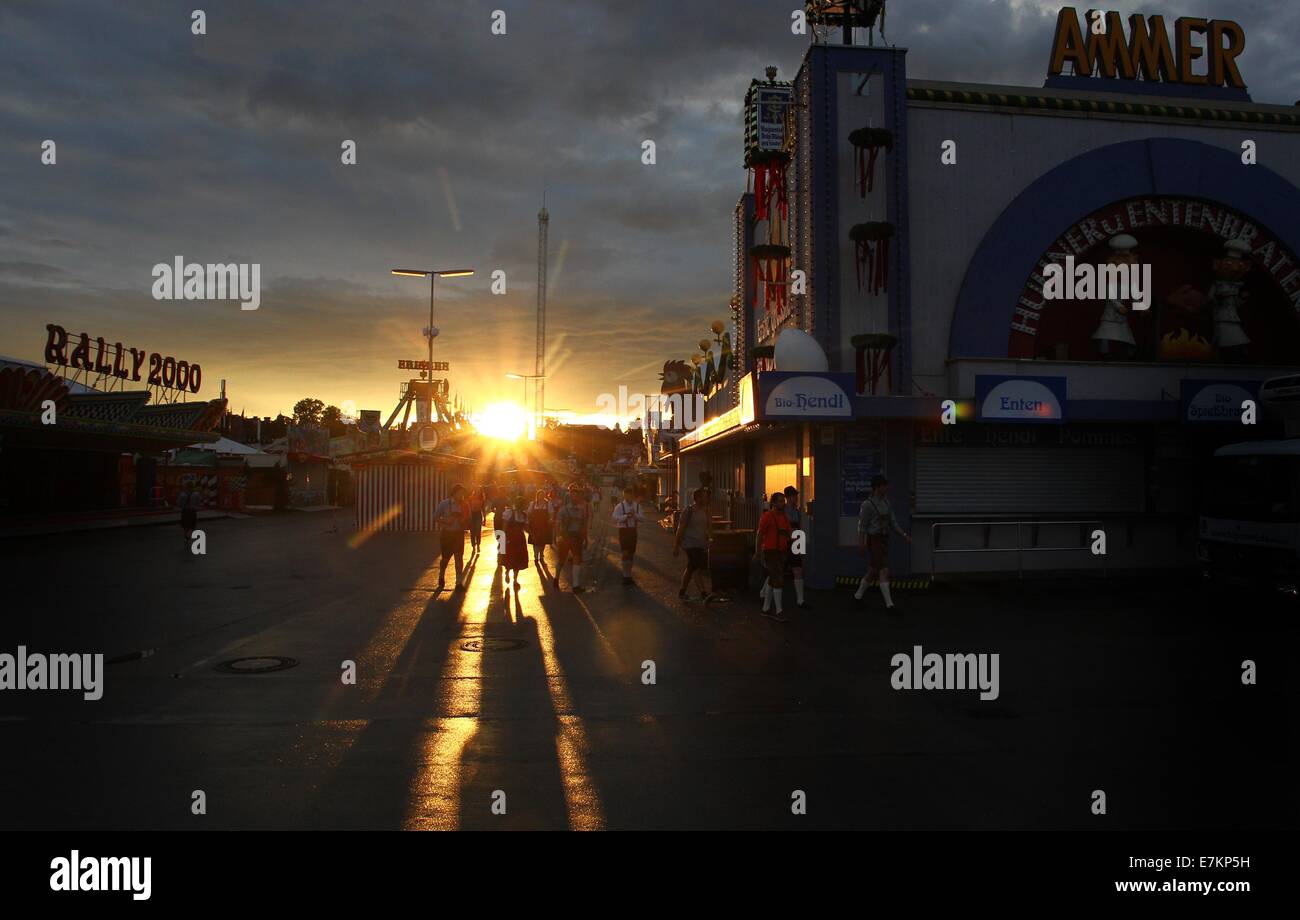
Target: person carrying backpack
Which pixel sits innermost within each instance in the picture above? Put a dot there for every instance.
(693, 535)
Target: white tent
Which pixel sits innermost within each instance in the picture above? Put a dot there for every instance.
(225, 446)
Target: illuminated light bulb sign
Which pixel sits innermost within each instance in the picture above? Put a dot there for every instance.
(104, 360)
(1147, 52)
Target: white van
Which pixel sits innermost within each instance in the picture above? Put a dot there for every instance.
(1250, 518)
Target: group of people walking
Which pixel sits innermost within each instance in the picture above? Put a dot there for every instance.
(557, 518)
(562, 520)
(780, 546)
(777, 546)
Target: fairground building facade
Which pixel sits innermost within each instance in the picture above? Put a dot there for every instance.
(891, 256)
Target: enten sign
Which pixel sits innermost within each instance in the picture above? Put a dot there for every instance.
(1147, 54)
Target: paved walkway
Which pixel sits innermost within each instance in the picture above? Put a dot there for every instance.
(543, 699)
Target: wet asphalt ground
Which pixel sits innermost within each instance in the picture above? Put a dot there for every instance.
(538, 703)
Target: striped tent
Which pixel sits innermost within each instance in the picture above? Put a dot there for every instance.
(400, 490)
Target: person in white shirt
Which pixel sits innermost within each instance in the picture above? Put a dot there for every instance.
(876, 519)
(627, 514)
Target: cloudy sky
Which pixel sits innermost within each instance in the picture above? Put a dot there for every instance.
(226, 147)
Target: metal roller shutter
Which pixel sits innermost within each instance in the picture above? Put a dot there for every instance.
(1027, 480)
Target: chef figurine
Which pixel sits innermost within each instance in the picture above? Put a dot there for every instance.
(1114, 336)
(1225, 297)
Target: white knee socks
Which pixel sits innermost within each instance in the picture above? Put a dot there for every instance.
(884, 592)
(798, 590)
(862, 589)
(776, 593)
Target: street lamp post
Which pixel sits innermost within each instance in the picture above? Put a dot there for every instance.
(532, 421)
(433, 275)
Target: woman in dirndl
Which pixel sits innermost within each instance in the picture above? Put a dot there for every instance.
(516, 525)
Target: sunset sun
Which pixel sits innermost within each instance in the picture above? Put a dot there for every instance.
(505, 421)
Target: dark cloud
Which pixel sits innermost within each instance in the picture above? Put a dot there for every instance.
(225, 147)
(29, 270)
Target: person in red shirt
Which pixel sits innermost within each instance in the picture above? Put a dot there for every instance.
(772, 545)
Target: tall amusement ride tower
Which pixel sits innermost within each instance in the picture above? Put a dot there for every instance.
(539, 364)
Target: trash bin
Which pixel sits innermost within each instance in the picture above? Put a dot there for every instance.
(729, 559)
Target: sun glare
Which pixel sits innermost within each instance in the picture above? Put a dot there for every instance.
(505, 421)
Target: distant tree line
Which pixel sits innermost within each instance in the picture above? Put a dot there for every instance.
(306, 412)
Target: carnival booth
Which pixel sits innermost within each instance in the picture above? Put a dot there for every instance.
(68, 447)
(400, 489)
(1031, 340)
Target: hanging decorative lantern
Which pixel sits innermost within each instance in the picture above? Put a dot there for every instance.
(873, 360)
(867, 144)
(770, 261)
(769, 168)
(872, 240)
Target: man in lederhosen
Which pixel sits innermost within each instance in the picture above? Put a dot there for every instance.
(875, 521)
(452, 517)
(627, 514)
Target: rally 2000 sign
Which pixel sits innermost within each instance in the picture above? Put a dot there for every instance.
(122, 363)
